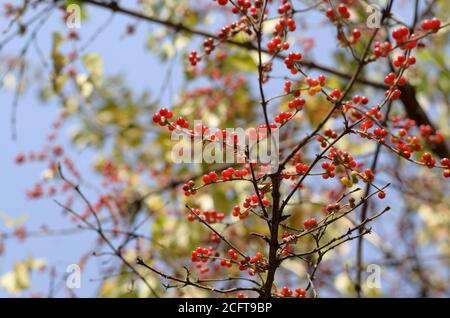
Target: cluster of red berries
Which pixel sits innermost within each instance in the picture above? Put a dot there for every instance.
(253, 201)
(282, 117)
(336, 93)
(342, 10)
(368, 175)
(36, 192)
(315, 85)
(209, 216)
(162, 116)
(342, 157)
(433, 24)
(400, 34)
(390, 78)
(315, 82)
(194, 58)
(402, 38)
(330, 133)
(428, 160)
(181, 122)
(426, 132)
(243, 264)
(226, 263)
(382, 49)
(402, 61)
(210, 177)
(446, 163)
(285, 8)
(234, 28)
(297, 103)
(236, 211)
(301, 168)
(290, 60)
(301, 293)
(329, 170)
(284, 24)
(188, 188)
(258, 257)
(323, 142)
(287, 87)
(233, 254)
(286, 292)
(360, 99)
(208, 45)
(334, 207)
(406, 149)
(228, 173)
(310, 224)
(372, 114)
(380, 133)
(276, 44)
(242, 6)
(393, 93)
(201, 254)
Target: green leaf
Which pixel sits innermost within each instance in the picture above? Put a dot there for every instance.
(94, 64)
(242, 62)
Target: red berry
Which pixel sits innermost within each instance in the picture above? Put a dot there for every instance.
(156, 118)
(356, 33)
(206, 179)
(310, 224)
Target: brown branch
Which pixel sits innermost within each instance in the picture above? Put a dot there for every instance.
(98, 228)
(274, 261)
(188, 282)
